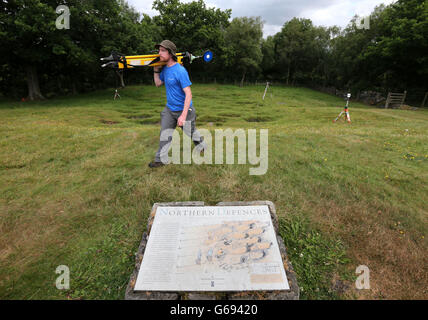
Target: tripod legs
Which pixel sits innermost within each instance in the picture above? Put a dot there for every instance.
(347, 116)
(116, 94)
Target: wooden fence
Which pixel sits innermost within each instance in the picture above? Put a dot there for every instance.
(395, 99)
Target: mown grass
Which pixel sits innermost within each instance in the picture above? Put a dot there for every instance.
(76, 190)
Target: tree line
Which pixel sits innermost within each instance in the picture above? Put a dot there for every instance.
(40, 61)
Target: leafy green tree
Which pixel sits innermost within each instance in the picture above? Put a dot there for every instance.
(300, 49)
(268, 53)
(244, 38)
(193, 27)
(33, 46)
(390, 55)
(99, 27)
(27, 34)
(395, 55)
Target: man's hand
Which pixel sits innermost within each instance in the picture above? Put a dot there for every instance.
(187, 101)
(182, 119)
(156, 78)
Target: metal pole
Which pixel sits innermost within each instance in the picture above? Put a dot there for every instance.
(267, 86)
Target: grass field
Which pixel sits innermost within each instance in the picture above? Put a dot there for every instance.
(76, 189)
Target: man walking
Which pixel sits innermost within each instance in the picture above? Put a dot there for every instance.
(179, 107)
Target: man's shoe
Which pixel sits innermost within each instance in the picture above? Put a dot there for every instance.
(201, 151)
(155, 164)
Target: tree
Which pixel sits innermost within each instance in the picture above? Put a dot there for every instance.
(300, 49)
(268, 53)
(32, 44)
(396, 56)
(193, 27)
(243, 42)
(391, 54)
(26, 32)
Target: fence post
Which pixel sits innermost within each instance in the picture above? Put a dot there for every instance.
(387, 100)
(404, 98)
(425, 99)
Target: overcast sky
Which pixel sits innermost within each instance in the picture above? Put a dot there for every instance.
(275, 13)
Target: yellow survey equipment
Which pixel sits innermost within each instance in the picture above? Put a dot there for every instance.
(120, 61)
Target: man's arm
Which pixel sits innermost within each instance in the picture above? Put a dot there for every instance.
(158, 81)
(187, 101)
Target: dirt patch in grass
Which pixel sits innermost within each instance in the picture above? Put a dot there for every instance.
(126, 111)
(210, 119)
(149, 121)
(139, 116)
(258, 119)
(109, 122)
(247, 103)
(133, 104)
(12, 166)
(229, 114)
(207, 94)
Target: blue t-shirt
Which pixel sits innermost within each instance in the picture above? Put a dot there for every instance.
(176, 79)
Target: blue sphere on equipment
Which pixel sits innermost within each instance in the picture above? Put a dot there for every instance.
(208, 56)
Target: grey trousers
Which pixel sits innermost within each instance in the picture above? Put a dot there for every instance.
(169, 121)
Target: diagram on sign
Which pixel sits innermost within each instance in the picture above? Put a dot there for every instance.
(230, 245)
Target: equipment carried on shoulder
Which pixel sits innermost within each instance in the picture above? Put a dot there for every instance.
(120, 61)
